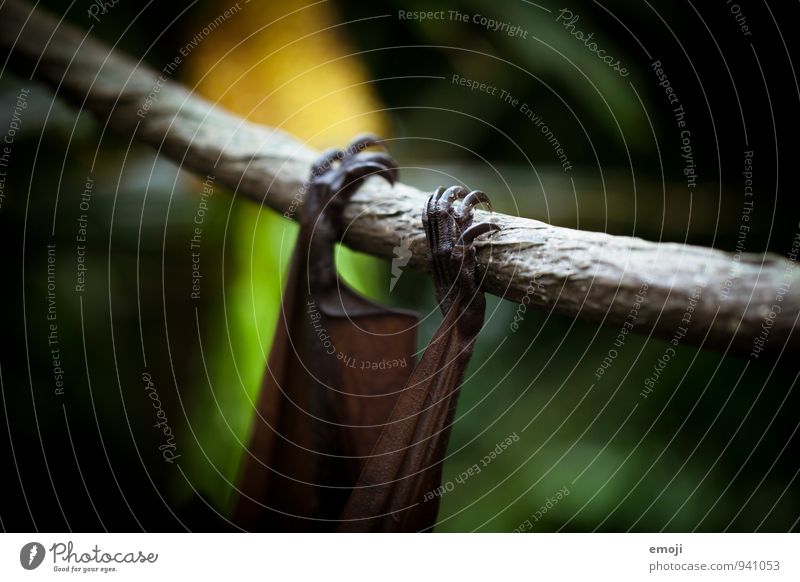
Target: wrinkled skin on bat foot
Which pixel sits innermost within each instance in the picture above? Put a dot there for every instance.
(335, 177)
(352, 162)
(449, 229)
(338, 173)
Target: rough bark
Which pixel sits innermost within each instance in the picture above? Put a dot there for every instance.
(728, 303)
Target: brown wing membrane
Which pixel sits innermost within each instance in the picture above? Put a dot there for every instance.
(334, 374)
(346, 436)
(406, 462)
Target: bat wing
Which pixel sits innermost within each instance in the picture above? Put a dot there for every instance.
(406, 462)
(395, 489)
(335, 371)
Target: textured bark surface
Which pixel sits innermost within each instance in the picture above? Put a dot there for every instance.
(696, 295)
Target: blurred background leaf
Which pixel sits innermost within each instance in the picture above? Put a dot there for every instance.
(286, 65)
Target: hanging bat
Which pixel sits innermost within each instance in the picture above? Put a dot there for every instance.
(406, 462)
(340, 364)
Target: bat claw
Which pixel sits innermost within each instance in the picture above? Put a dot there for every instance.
(445, 200)
(323, 163)
(450, 235)
(340, 172)
(476, 230)
(379, 163)
(363, 141)
(474, 198)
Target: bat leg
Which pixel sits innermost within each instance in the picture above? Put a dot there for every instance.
(393, 492)
(339, 173)
(335, 177)
(326, 393)
(450, 233)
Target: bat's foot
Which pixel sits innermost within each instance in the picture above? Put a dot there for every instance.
(449, 229)
(341, 172)
(335, 176)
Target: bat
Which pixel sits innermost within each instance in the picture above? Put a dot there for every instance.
(406, 462)
(339, 383)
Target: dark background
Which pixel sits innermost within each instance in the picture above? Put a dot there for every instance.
(710, 450)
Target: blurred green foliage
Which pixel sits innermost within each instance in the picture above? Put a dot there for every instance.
(709, 450)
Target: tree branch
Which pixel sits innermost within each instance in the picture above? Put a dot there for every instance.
(692, 295)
